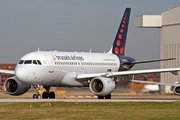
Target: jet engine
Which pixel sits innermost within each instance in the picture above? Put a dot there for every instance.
(176, 90)
(14, 87)
(102, 86)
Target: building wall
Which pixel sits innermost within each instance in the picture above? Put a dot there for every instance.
(170, 43)
(169, 22)
(171, 16)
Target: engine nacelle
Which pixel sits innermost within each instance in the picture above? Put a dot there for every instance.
(102, 86)
(176, 90)
(14, 87)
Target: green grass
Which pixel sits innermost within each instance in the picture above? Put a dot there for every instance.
(91, 111)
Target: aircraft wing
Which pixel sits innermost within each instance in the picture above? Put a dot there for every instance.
(7, 71)
(123, 73)
(156, 83)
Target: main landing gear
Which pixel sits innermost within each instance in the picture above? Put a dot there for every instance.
(106, 97)
(46, 95)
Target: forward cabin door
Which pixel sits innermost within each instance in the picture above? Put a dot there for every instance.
(50, 62)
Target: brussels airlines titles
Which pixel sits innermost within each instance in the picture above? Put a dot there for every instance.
(66, 57)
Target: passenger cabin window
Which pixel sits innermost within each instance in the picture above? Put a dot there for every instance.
(28, 62)
(21, 61)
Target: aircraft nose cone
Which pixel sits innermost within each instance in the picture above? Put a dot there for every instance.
(20, 73)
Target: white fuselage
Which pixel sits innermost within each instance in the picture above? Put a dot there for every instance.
(54, 67)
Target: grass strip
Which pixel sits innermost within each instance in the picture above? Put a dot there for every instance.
(91, 111)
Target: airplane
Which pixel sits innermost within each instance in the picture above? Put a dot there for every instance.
(175, 86)
(98, 71)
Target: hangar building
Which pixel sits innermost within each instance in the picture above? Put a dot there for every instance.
(169, 22)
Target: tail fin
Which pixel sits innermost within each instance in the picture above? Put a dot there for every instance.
(120, 39)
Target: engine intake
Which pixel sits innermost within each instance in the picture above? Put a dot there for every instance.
(14, 87)
(176, 90)
(102, 86)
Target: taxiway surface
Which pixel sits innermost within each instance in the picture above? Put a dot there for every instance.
(90, 100)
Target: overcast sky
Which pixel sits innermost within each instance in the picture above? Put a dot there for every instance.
(77, 25)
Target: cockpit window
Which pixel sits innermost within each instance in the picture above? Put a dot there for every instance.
(21, 61)
(34, 62)
(28, 62)
(39, 62)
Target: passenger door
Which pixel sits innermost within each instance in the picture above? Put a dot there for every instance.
(50, 62)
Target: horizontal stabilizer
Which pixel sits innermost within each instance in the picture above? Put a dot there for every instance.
(139, 62)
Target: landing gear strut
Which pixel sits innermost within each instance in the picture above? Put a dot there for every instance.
(106, 97)
(37, 95)
(47, 94)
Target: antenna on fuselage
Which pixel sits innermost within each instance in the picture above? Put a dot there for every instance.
(90, 51)
(38, 49)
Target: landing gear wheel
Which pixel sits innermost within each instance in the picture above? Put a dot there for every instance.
(108, 96)
(100, 97)
(51, 95)
(34, 96)
(45, 95)
(37, 95)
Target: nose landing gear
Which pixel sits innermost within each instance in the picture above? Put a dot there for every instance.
(37, 95)
(45, 95)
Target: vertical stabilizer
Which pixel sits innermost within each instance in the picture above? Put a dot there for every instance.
(120, 39)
